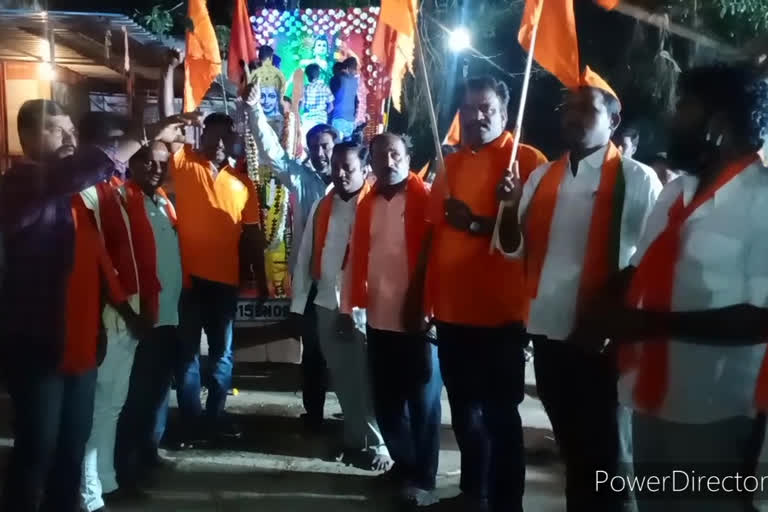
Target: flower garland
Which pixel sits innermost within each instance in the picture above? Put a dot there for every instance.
(273, 195)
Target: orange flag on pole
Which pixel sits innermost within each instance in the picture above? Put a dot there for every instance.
(203, 62)
(453, 137)
(557, 48)
(242, 43)
(395, 41)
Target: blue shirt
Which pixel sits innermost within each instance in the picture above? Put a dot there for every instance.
(344, 88)
(38, 242)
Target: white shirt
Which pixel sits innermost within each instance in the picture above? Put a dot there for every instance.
(723, 261)
(334, 250)
(553, 311)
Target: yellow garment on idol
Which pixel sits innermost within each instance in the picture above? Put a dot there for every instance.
(270, 76)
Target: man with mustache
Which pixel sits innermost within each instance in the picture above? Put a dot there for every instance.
(575, 223)
(152, 220)
(57, 263)
(690, 330)
(103, 129)
(307, 182)
(218, 211)
(480, 330)
(389, 233)
(321, 260)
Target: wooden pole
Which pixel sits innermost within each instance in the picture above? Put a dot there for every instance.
(430, 105)
(518, 124)
(663, 22)
(224, 93)
(51, 52)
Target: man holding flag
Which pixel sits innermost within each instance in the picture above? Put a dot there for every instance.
(481, 335)
(574, 224)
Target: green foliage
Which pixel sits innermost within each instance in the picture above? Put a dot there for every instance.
(737, 21)
(223, 33)
(158, 20)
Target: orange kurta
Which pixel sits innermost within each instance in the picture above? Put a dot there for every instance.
(211, 213)
(466, 284)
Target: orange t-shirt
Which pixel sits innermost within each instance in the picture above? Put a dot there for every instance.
(211, 215)
(466, 284)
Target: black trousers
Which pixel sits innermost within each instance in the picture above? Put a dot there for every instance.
(153, 366)
(405, 377)
(314, 370)
(578, 391)
(484, 372)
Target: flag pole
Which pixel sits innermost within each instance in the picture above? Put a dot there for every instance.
(519, 121)
(224, 93)
(431, 106)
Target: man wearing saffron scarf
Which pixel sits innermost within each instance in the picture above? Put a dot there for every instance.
(57, 263)
(322, 256)
(691, 335)
(152, 221)
(389, 233)
(580, 219)
(112, 378)
(479, 328)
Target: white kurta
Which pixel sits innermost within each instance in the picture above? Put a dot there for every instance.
(552, 312)
(723, 261)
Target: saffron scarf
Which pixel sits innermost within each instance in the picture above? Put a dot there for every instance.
(91, 271)
(651, 289)
(115, 234)
(416, 199)
(144, 247)
(602, 254)
(321, 221)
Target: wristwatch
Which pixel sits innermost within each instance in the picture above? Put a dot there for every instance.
(474, 227)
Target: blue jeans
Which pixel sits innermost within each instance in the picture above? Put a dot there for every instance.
(484, 373)
(407, 384)
(137, 441)
(54, 415)
(344, 127)
(208, 306)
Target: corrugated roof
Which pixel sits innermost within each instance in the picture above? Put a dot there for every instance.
(81, 42)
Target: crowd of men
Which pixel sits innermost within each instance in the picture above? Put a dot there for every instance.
(646, 306)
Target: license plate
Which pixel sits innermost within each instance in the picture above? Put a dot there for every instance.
(262, 311)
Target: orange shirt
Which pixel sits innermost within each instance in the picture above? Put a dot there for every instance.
(466, 284)
(90, 269)
(211, 215)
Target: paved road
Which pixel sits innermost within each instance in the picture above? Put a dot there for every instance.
(275, 467)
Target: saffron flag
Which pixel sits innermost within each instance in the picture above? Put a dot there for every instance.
(453, 137)
(242, 43)
(556, 48)
(203, 61)
(395, 41)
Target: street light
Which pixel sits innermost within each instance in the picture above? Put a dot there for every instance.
(459, 39)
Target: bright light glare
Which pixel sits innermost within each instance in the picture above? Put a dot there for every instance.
(459, 39)
(46, 71)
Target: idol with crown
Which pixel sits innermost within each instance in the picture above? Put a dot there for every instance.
(274, 198)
